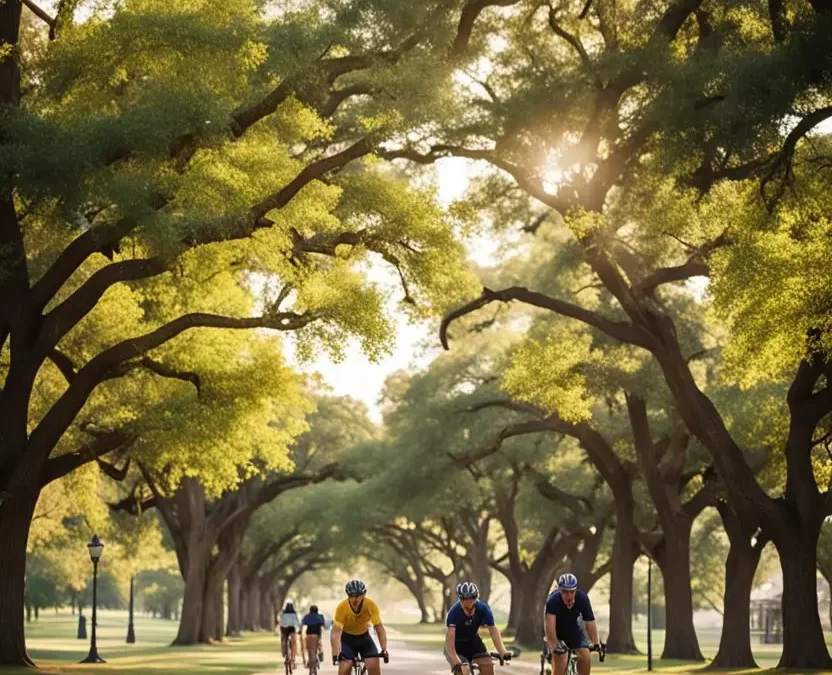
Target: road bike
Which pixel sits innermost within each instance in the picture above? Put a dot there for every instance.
(315, 660)
(572, 663)
(287, 654)
(474, 667)
(358, 665)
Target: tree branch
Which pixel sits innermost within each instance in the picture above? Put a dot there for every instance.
(624, 332)
(65, 317)
(786, 155)
(573, 41)
(112, 363)
(112, 471)
(472, 10)
(57, 467)
(313, 171)
(164, 371)
(64, 364)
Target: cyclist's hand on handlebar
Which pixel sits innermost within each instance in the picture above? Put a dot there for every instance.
(601, 648)
(335, 659)
(385, 656)
(506, 656)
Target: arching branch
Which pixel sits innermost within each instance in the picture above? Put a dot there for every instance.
(624, 332)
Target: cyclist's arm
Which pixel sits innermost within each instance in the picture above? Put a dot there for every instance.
(450, 645)
(551, 632)
(497, 639)
(591, 629)
(335, 639)
(382, 636)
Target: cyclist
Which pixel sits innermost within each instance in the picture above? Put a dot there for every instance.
(566, 608)
(350, 635)
(314, 623)
(463, 641)
(289, 627)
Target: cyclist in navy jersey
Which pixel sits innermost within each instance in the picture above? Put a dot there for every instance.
(566, 609)
(463, 640)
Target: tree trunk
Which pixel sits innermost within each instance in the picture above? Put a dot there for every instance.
(16, 513)
(234, 591)
(673, 558)
(624, 554)
(254, 604)
(219, 624)
(267, 610)
(743, 557)
(515, 608)
(251, 593)
(804, 646)
(193, 599)
(478, 560)
(532, 600)
(211, 613)
(244, 602)
(272, 596)
(417, 590)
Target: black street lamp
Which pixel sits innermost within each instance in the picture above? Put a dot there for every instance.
(131, 634)
(649, 613)
(95, 547)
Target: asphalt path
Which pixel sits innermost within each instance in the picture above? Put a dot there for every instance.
(405, 660)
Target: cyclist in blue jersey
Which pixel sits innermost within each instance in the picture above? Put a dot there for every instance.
(463, 640)
(314, 624)
(566, 609)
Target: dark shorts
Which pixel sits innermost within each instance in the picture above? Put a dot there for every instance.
(314, 630)
(575, 640)
(355, 645)
(286, 631)
(469, 650)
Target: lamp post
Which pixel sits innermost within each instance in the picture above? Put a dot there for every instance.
(649, 613)
(95, 547)
(131, 634)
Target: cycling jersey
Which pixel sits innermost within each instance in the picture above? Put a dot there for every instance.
(359, 623)
(314, 623)
(467, 627)
(569, 620)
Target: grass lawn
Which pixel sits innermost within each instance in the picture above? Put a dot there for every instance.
(53, 645)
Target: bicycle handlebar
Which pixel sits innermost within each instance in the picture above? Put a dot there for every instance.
(600, 648)
(502, 658)
(337, 658)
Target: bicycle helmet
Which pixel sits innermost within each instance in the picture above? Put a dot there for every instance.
(467, 590)
(567, 582)
(356, 587)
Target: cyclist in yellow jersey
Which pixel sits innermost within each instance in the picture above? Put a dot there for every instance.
(350, 634)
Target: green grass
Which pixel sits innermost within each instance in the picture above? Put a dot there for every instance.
(53, 645)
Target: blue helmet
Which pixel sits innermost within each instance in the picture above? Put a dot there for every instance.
(467, 590)
(567, 582)
(356, 587)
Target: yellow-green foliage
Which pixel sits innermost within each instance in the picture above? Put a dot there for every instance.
(563, 371)
(91, 146)
(774, 284)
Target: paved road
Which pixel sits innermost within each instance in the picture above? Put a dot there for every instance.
(408, 661)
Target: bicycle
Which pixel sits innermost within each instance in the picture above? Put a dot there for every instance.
(475, 668)
(358, 665)
(316, 659)
(287, 655)
(572, 664)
